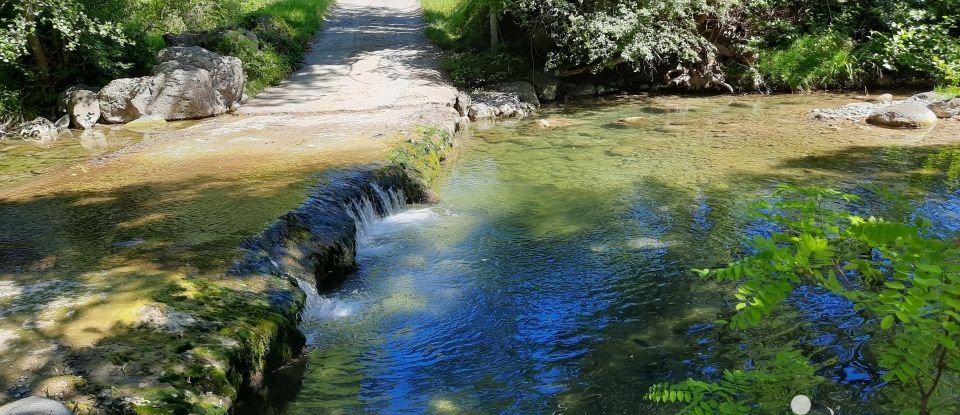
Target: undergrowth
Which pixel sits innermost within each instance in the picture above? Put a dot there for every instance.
(812, 62)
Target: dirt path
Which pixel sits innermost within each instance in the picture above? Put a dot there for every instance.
(84, 248)
(372, 55)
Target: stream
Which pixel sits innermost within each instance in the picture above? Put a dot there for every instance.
(554, 275)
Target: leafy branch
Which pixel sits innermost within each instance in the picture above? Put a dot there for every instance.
(905, 281)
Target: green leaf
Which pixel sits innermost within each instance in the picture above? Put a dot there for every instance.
(887, 322)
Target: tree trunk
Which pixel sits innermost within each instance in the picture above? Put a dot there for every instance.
(494, 29)
(36, 48)
(39, 55)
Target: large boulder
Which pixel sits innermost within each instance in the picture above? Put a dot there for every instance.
(83, 107)
(226, 72)
(189, 82)
(126, 99)
(34, 405)
(912, 114)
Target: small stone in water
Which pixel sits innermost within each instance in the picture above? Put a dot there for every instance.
(128, 243)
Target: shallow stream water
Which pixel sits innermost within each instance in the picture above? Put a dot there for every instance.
(554, 275)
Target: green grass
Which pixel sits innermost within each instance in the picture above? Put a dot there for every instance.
(811, 62)
(281, 45)
(951, 90)
(445, 18)
(456, 23)
(461, 27)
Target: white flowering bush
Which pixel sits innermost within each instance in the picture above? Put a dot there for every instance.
(24, 25)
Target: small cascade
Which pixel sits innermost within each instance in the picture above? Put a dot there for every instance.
(366, 211)
(321, 307)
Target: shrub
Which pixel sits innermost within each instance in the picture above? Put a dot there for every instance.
(922, 45)
(812, 62)
(262, 65)
(458, 23)
(476, 69)
(10, 105)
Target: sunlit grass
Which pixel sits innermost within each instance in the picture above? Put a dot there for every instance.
(812, 62)
(951, 90)
(447, 19)
(282, 47)
(305, 17)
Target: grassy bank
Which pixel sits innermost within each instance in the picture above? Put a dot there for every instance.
(461, 28)
(284, 29)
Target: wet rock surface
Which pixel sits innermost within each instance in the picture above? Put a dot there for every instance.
(851, 112)
(555, 122)
(318, 240)
(883, 110)
(633, 121)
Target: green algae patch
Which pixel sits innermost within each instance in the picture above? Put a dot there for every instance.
(423, 157)
(234, 337)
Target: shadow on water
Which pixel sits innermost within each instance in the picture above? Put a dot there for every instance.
(76, 268)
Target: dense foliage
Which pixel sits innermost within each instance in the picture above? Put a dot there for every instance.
(49, 45)
(905, 281)
(750, 44)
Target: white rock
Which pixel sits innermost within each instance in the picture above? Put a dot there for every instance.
(34, 405)
(83, 107)
(906, 115)
(189, 82)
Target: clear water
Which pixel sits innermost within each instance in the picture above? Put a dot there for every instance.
(553, 277)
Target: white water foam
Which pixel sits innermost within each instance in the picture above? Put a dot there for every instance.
(366, 215)
(321, 307)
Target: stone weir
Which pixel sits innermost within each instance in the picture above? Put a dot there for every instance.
(317, 242)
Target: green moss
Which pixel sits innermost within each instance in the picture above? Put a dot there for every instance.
(239, 334)
(422, 158)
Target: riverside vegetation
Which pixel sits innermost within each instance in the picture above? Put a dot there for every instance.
(901, 275)
(746, 45)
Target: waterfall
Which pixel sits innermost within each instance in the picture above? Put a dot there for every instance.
(323, 307)
(367, 211)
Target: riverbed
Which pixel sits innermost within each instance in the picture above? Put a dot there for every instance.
(554, 275)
